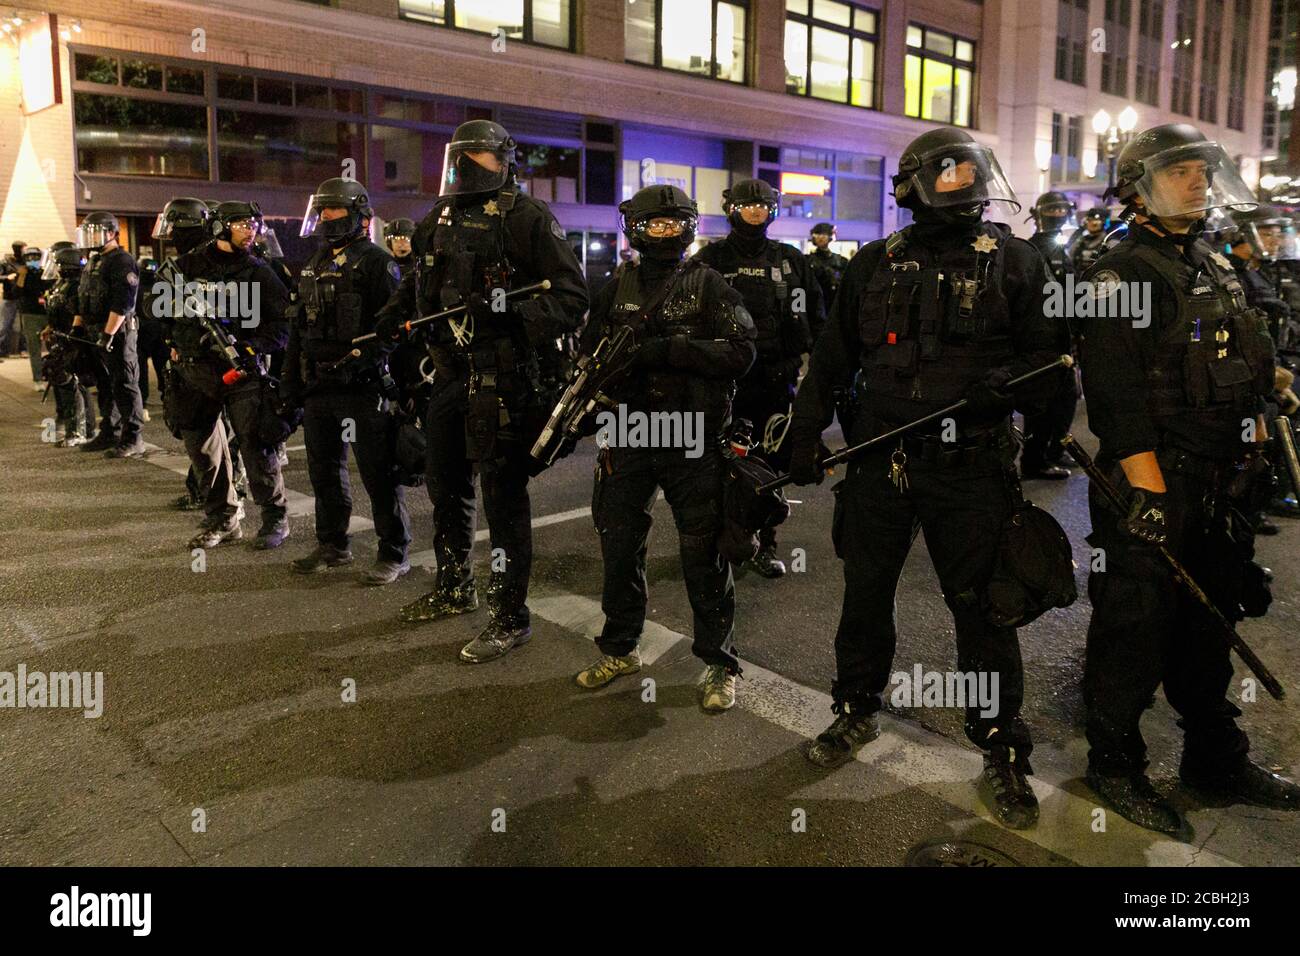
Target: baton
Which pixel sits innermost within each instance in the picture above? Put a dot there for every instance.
(426, 319)
(1286, 438)
(1065, 361)
(1071, 445)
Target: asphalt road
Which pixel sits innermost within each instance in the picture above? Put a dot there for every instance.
(225, 737)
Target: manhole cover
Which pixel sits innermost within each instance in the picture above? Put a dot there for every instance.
(957, 853)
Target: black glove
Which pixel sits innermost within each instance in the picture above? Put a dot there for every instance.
(984, 398)
(806, 455)
(388, 326)
(105, 342)
(1146, 517)
(653, 352)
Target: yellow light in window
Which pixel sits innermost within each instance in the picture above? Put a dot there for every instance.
(804, 184)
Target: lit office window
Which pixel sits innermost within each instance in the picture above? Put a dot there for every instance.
(705, 37)
(549, 173)
(548, 22)
(830, 51)
(938, 76)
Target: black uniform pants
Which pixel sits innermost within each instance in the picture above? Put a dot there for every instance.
(333, 419)
(449, 477)
(118, 382)
(1044, 429)
(153, 349)
(1145, 631)
(766, 391)
(71, 403)
(961, 509)
(623, 497)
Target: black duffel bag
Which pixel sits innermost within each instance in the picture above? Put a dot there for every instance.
(1035, 568)
(745, 510)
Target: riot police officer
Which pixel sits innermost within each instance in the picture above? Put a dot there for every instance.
(71, 397)
(106, 310)
(827, 266)
(1172, 396)
(1089, 242)
(152, 342)
(785, 301)
(345, 399)
(950, 307)
(1043, 456)
(694, 339)
(497, 366)
(397, 237)
(231, 319)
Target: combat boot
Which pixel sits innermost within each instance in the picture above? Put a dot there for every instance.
(1249, 783)
(1007, 789)
(445, 600)
(101, 442)
(1134, 799)
(840, 742)
(495, 641)
(134, 450)
(766, 563)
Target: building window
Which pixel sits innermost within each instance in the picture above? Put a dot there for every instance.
(1151, 18)
(830, 51)
(1211, 38)
(1237, 66)
(1071, 40)
(824, 186)
(939, 76)
(1067, 148)
(704, 37)
(124, 136)
(548, 22)
(1114, 61)
(1180, 99)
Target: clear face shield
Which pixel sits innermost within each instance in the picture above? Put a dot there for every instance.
(50, 270)
(269, 243)
(961, 175)
(474, 167)
(1188, 181)
(94, 235)
(1272, 240)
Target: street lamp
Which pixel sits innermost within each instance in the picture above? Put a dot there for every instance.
(1113, 137)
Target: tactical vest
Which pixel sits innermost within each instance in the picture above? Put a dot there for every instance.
(1216, 359)
(683, 311)
(1054, 254)
(331, 303)
(933, 323)
(763, 281)
(93, 292)
(466, 256)
(202, 291)
(1089, 250)
(828, 264)
(61, 303)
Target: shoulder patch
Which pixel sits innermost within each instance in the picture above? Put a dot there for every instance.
(394, 270)
(1104, 283)
(132, 278)
(557, 230)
